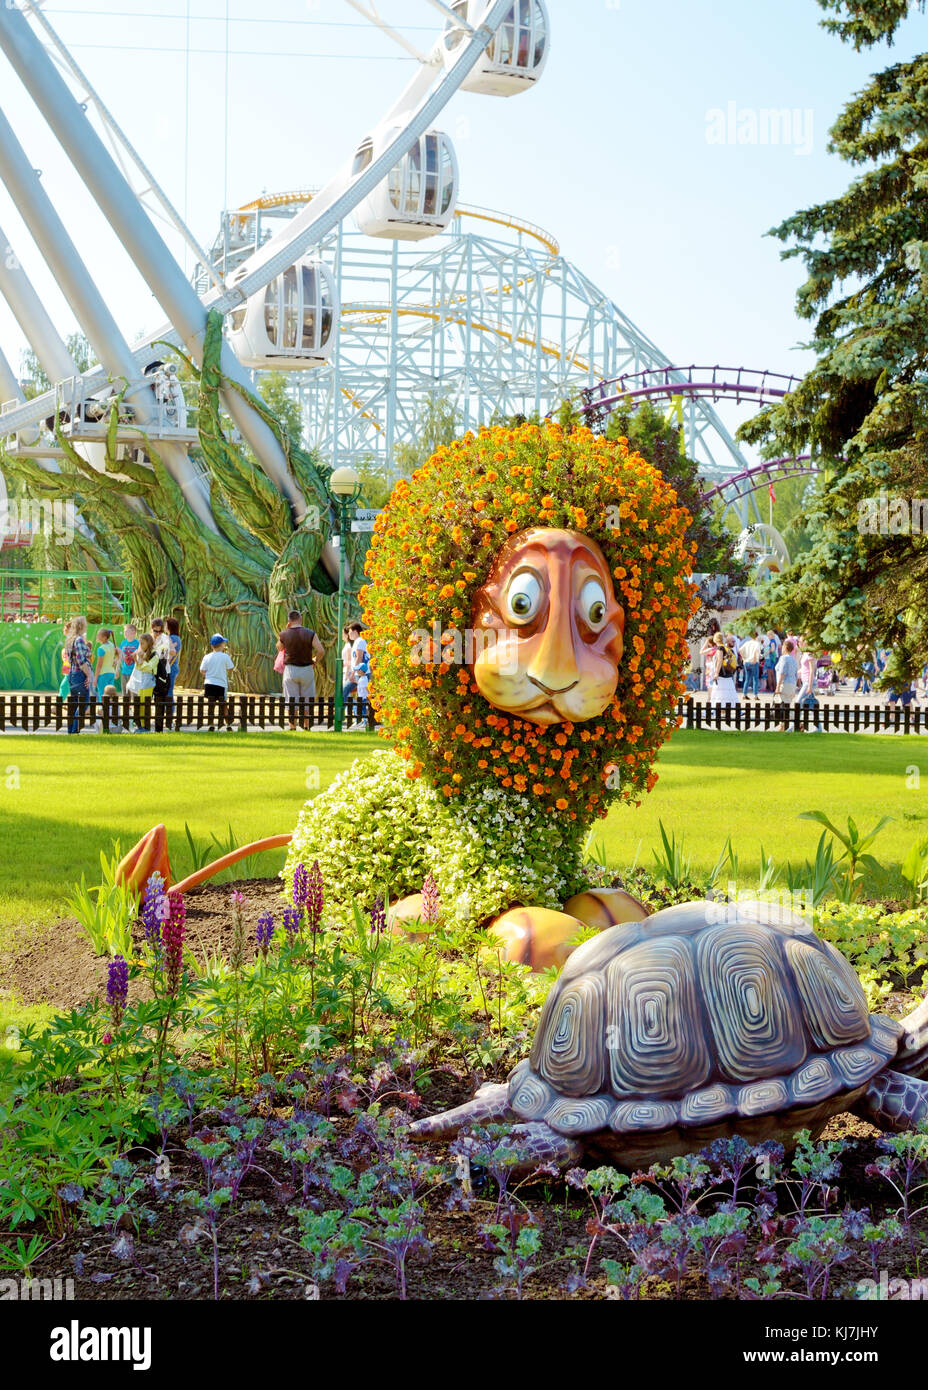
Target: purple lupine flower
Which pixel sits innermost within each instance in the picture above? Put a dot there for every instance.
(153, 909)
(378, 916)
(172, 937)
(264, 931)
(315, 898)
(292, 916)
(431, 900)
(117, 988)
(300, 886)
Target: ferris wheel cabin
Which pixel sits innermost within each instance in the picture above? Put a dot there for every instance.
(290, 325)
(417, 197)
(515, 58)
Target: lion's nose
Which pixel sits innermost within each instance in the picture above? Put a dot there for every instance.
(554, 661)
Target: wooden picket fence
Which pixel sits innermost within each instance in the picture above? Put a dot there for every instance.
(769, 714)
(185, 713)
(30, 713)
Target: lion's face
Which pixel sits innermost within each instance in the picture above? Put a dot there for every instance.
(549, 630)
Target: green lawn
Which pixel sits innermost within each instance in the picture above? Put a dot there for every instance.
(75, 796)
(63, 800)
(753, 787)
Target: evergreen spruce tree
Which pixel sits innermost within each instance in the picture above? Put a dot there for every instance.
(863, 408)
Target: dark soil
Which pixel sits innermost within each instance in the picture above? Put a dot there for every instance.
(57, 965)
(259, 1252)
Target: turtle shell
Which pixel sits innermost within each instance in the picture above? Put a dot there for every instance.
(703, 1013)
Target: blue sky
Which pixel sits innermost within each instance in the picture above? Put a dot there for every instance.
(616, 151)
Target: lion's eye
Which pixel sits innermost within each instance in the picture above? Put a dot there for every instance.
(593, 603)
(523, 597)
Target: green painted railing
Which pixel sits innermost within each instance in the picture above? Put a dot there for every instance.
(103, 598)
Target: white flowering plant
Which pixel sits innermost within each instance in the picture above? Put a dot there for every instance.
(370, 831)
(494, 850)
(375, 830)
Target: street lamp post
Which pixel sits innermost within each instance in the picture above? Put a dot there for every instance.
(345, 485)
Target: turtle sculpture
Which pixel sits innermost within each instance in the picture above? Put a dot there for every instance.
(662, 1035)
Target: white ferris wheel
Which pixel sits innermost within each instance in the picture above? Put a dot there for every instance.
(281, 272)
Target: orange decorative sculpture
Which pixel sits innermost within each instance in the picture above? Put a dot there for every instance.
(148, 857)
(548, 630)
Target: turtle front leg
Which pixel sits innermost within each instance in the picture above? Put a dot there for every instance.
(894, 1102)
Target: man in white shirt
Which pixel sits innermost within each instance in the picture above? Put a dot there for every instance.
(750, 655)
(215, 668)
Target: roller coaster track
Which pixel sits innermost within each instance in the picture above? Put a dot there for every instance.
(752, 479)
(712, 383)
(380, 313)
(298, 197)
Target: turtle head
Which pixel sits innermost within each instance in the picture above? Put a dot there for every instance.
(549, 629)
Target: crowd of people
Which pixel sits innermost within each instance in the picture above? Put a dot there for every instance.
(787, 667)
(146, 665)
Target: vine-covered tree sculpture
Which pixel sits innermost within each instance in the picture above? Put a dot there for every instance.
(239, 579)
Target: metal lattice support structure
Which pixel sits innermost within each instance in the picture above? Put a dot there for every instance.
(490, 313)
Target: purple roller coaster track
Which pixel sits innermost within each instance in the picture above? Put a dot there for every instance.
(740, 485)
(715, 383)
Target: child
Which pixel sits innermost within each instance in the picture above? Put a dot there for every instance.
(107, 654)
(142, 680)
(64, 688)
(362, 675)
(215, 668)
(129, 646)
(110, 698)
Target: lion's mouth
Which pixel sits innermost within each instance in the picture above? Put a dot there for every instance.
(547, 689)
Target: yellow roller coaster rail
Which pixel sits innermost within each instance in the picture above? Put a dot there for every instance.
(296, 197)
(376, 313)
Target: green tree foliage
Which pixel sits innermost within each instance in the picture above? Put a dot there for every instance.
(865, 22)
(863, 408)
(663, 443)
(36, 379)
(274, 390)
(439, 422)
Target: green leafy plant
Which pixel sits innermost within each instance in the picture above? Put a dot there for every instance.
(914, 870)
(818, 877)
(856, 851)
(671, 864)
(106, 913)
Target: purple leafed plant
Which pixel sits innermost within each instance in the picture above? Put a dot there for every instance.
(172, 937)
(153, 909)
(300, 886)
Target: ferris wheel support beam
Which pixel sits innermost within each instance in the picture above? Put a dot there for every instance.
(144, 245)
(50, 235)
(10, 389)
(31, 315)
(330, 207)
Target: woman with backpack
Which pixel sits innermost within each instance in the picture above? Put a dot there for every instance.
(724, 668)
